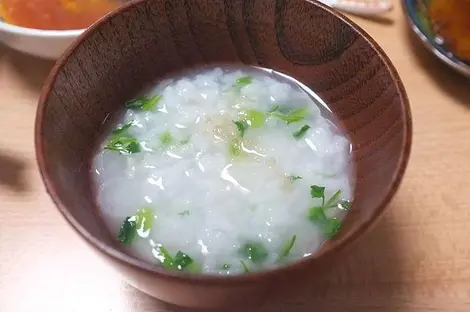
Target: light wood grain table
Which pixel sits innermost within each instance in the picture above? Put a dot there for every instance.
(416, 259)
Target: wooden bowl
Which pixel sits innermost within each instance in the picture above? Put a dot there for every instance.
(148, 39)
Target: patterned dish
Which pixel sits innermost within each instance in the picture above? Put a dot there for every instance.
(421, 26)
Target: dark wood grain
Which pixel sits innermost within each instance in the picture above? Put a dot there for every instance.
(149, 39)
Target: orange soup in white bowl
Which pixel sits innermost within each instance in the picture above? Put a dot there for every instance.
(45, 28)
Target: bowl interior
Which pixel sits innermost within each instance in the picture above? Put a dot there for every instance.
(121, 54)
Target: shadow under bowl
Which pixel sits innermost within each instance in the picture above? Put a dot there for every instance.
(148, 39)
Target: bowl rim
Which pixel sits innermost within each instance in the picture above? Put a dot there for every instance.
(41, 33)
(134, 263)
(442, 53)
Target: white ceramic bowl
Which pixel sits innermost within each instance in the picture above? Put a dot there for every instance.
(48, 44)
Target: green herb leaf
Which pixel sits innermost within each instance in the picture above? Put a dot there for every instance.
(316, 214)
(301, 132)
(185, 213)
(293, 115)
(317, 191)
(182, 260)
(166, 138)
(194, 267)
(127, 231)
(255, 119)
(274, 109)
(332, 201)
(242, 126)
(185, 140)
(144, 103)
(235, 148)
(244, 81)
(164, 257)
(121, 129)
(123, 145)
(151, 103)
(292, 178)
(287, 247)
(226, 266)
(254, 251)
(134, 103)
(144, 220)
(245, 267)
(344, 204)
(332, 227)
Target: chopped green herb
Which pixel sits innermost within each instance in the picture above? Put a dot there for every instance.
(316, 214)
(194, 267)
(121, 129)
(165, 257)
(127, 231)
(317, 191)
(293, 115)
(242, 126)
(332, 201)
(301, 132)
(166, 138)
(245, 267)
(235, 148)
(292, 178)
(255, 119)
(252, 118)
(186, 140)
(123, 145)
(140, 223)
(274, 109)
(134, 103)
(243, 81)
(151, 103)
(144, 219)
(182, 260)
(287, 247)
(332, 227)
(226, 266)
(254, 251)
(185, 213)
(144, 103)
(344, 204)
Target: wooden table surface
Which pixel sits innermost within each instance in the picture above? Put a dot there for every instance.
(416, 259)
